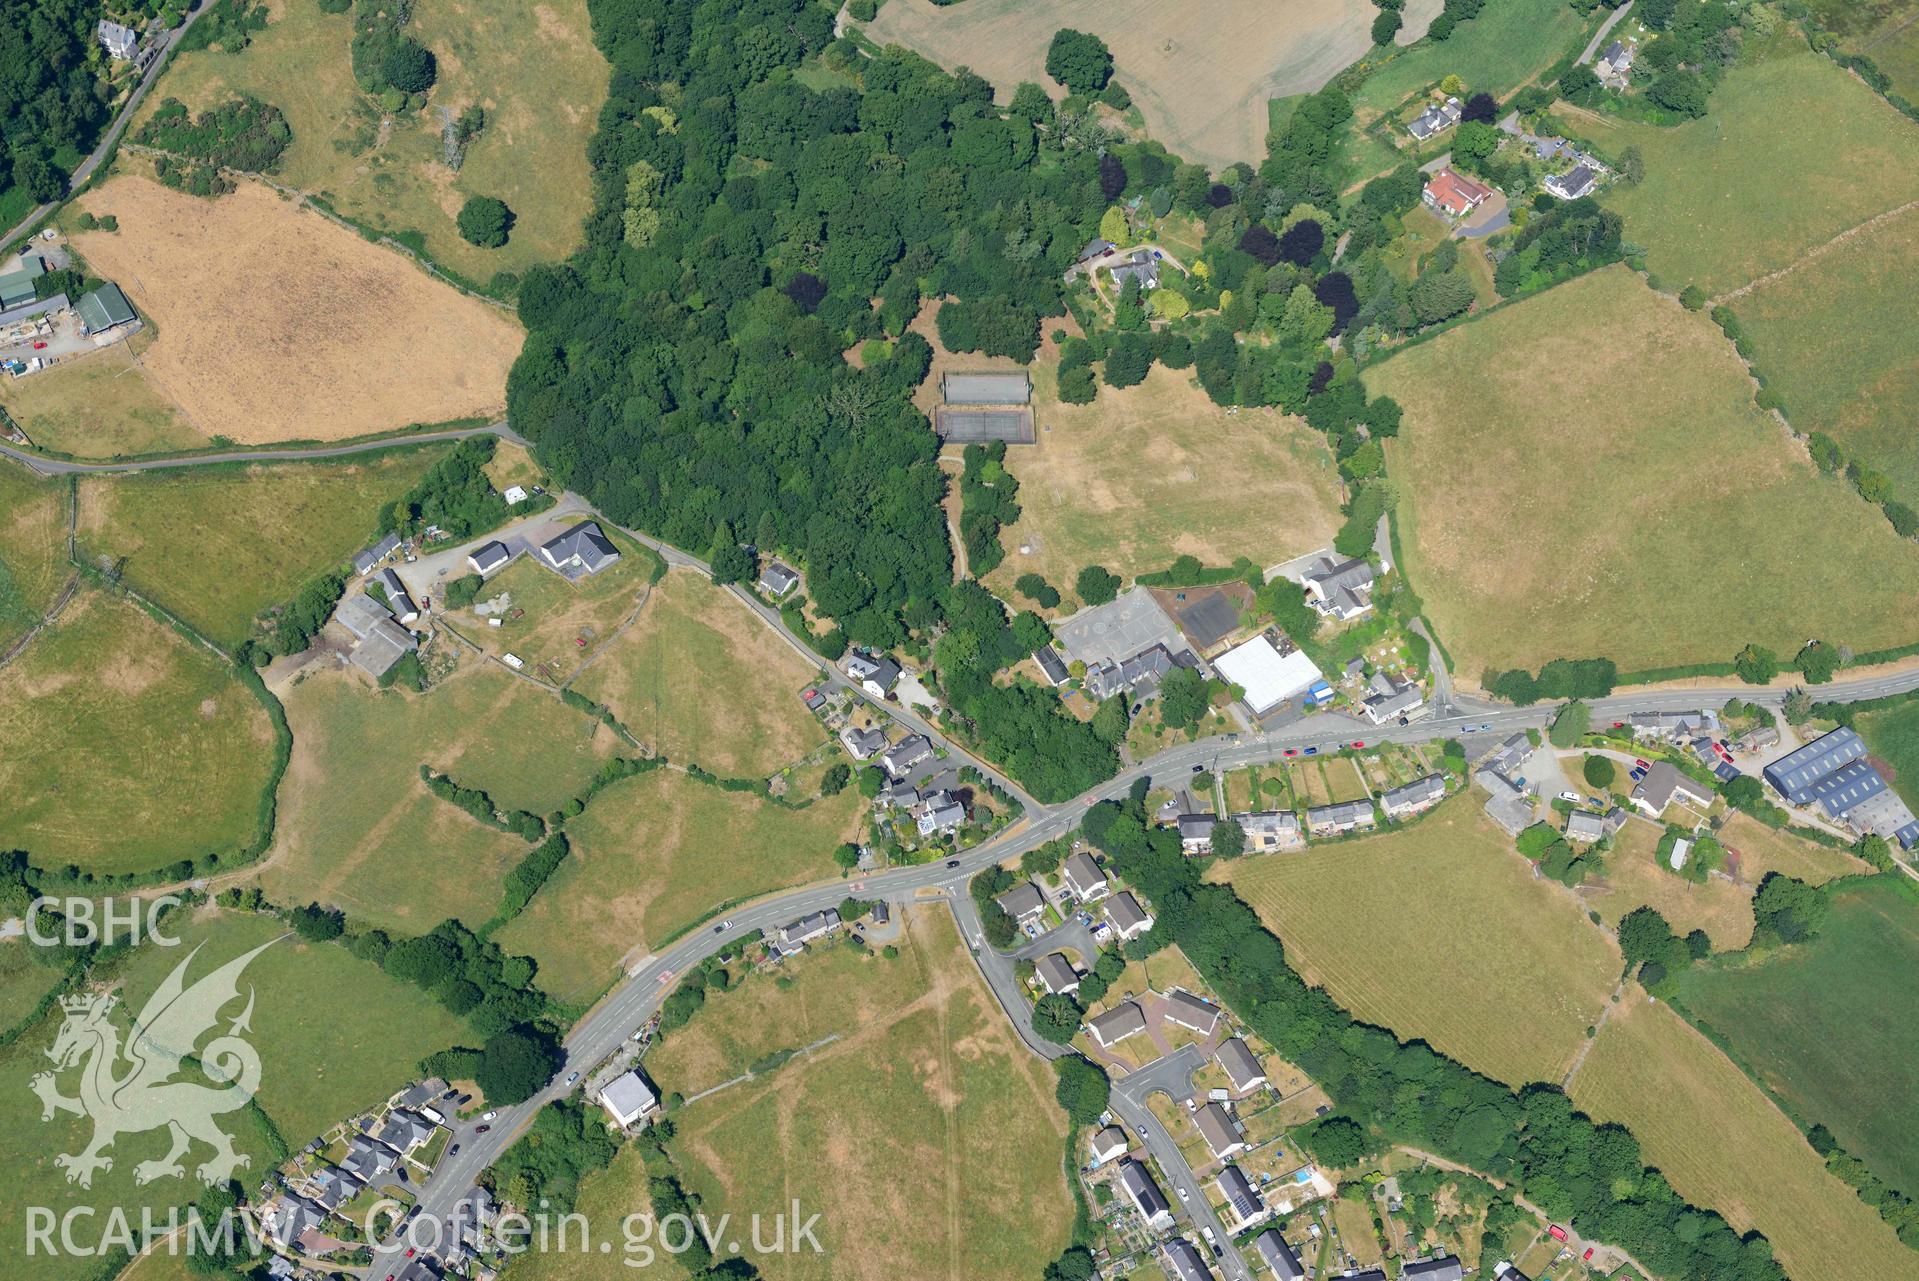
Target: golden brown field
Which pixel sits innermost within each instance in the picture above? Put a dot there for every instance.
(1723, 1144)
(276, 324)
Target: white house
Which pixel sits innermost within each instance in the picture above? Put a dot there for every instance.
(628, 1098)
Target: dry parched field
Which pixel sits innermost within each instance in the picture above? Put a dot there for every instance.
(1142, 476)
(1200, 74)
(357, 827)
(1441, 932)
(1585, 474)
(124, 746)
(99, 405)
(276, 324)
(1723, 1144)
(701, 679)
(1634, 879)
(651, 855)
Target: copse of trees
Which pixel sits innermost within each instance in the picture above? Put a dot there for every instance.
(50, 92)
(1079, 60)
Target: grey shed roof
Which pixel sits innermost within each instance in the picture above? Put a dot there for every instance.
(1797, 773)
(359, 613)
(382, 647)
(104, 308)
(1279, 1256)
(987, 389)
(1051, 664)
(373, 555)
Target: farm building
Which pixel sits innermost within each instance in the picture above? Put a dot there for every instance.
(16, 283)
(385, 644)
(359, 613)
(1506, 804)
(488, 557)
(1454, 195)
(103, 309)
(1268, 677)
(364, 561)
(1833, 772)
(396, 596)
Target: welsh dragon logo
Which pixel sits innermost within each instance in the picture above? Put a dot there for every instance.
(131, 1090)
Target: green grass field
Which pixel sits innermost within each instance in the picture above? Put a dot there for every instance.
(33, 553)
(1830, 338)
(926, 1136)
(1893, 736)
(358, 829)
(1551, 509)
(23, 981)
(99, 405)
(1506, 45)
(1818, 1023)
(1722, 1144)
(220, 545)
(506, 55)
(651, 856)
(334, 1035)
(675, 679)
(124, 746)
(1885, 31)
(1489, 964)
(1732, 196)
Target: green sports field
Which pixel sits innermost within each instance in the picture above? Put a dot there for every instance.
(1825, 1024)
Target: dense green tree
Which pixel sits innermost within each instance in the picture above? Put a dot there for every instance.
(1096, 585)
(1228, 838)
(1083, 1089)
(1079, 61)
(485, 221)
(1791, 910)
(1573, 720)
(1817, 662)
(410, 66)
(1599, 771)
(1056, 1018)
(516, 1064)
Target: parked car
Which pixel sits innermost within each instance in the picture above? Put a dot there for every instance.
(1588, 1255)
(489, 1116)
(1570, 796)
(1556, 1232)
(39, 346)
(572, 1078)
(1639, 764)
(1312, 751)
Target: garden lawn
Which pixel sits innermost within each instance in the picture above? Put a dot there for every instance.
(563, 626)
(357, 827)
(33, 554)
(700, 678)
(1819, 1023)
(1832, 338)
(1145, 475)
(1724, 1145)
(1505, 46)
(125, 747)
(654, 854)
(1441, 931)
(509, 56)
(220, 545)
(100, 405)
(1547, 494)
(1635, 878)
(1732, 196)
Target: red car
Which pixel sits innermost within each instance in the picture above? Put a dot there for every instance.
(1358, 743)
(1639, 764)
(1292, 751)
(39, 346)
(1588, 1255)
(1556, 1232)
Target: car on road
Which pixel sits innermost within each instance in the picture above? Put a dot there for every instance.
(453, 1150)
(572, 1078)
(1292, 751)
(1588, 1255)
(1184, 1195)
(1199, 769)
(952, 862)
(481, 1129)
(1357, 743)
(1312, 751)
(489, 1116)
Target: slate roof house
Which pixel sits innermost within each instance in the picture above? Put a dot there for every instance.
(876, 675)
(1343, 589)
(1024, 903)
(1141, 673)
(579, 551)
(1614, 66)
(1268, 830)
(1509, 756)
(1454, 195)
(1190, 1012)
(1347, 816)
(1222, 1135)
(1241, 1195)
(1506, 804)
(1240, 1064)
(121, 43)
(1057, 974)
(627, 1098)
(1142, 266)
(861, 744)
(794, 935)
(1435, 119)
(1144, 1194)
(1587, 827)
(906, 753)
(364, 562)
(1196, 832)
(1184, 1261)
(776, 580)
(1392, 699)
(1666, 726)
(1109, 1143)
(1084, 877)
(1279, 1256)
(1123, 1020)
(1662, 783)
(488, 557)
(1416, 797)
(1128, 918)
(1442, 1267)
(1575, 182)
(941, 812)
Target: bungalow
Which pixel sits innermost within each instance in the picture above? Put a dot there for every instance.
(876, 675)
(1587, 827)
(1057, 974)
(1392, 699)
(580, 551)
(1109, 1143)
(1454, 195)
(1196, 832)
(1184, 1262)
(1084, 877)
(790, 938)
(1509, 757)
(121, 43)
(1145, 1195)
(1123, 1020)
(1268, 830)
(1024, 903)
(940, 812)
(1190, 1012)
(1051, 665)
(905, 754)
(862, 744)
(1664, 727)
(1241, 1065)
(1416, 797)
(628, 1098)
(1614, 67)
(1347, 816)
(1221, 1133)
(1662, 783)
(396, 598)
(1574, 183)
(1342, 589)
(103, 309)
(1435, 120)
(1241, 1195)
(1128, 919)
(1279, 1256)
(364, 562)
(776, 580)
(487, 557)
(1442, 1267)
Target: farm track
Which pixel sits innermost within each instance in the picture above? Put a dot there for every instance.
(1816, 252)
